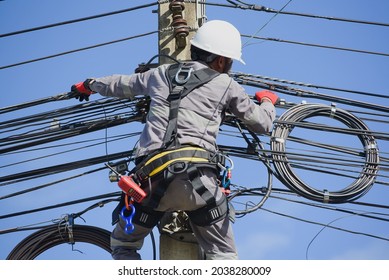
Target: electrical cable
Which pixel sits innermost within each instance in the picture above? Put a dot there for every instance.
(310, 94)
(325, 225)
(77, 50)
(245, 75)
(55, 169)
(259, 30)
(356, 189)
(315, 45)
(51, 183)
(262, 154)
(77, 20)
(112, 139)
(256, 147)
(40, 241)
(61, 130)
(59, 97)
(59, 205)
(259, 8)
(64, 232)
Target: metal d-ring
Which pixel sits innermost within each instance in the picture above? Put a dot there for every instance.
(187, 71)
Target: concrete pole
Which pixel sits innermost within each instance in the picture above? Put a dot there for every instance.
(178, 21)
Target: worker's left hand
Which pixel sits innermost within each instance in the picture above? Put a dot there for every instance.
(81, 90)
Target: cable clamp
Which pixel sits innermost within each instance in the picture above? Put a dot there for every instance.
(333, 110)
(69, 219)
(371, 146)
(326, 196)
(278, 139)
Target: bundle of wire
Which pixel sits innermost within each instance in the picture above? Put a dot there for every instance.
(296, 115)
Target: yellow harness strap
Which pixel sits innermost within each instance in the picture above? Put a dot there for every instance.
(178, 151)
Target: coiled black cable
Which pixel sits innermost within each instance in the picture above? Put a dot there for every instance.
(284, 126)
(40, 241)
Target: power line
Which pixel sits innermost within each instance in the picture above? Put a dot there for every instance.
(250, 81)
(316, 45)
(78, 50)
(15, 214)
(259, 30)
(238, 74)
(77, 20)
(259, 8)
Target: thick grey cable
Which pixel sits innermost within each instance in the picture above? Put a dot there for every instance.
(281, 162)
(37, 243)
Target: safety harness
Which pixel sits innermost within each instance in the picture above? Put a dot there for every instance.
(173, 159)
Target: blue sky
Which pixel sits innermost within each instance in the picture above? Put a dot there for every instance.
(259, 235)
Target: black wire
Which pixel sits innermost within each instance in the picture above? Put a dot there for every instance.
(316, 45)
(259, 8)
(55, 169)
(112, 139)
(245, 75)
(77, 50)
(37, 243)
(356, 189)
(324, 225)
(77, 20)
(59, 97)
(50, 184)
(365, 214)
(310, 94)
(59, 205)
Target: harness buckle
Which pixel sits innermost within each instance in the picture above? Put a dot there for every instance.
(178, 167)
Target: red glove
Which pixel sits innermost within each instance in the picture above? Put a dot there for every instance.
(82, 90)
(266, 94)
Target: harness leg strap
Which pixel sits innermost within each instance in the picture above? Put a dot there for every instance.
(146, 216)
(209, 214)
(194, 176)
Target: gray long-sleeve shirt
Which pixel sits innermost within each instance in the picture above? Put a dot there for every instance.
(200, 112)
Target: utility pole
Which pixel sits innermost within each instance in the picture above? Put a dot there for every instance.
(178, 21)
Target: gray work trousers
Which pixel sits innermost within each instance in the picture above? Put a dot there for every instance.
(216, 240)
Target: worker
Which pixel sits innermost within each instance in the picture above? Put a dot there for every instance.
(175, 181)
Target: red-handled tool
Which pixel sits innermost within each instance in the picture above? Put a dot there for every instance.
(129, 186)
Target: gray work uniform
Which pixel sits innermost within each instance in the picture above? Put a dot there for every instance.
(199, 117)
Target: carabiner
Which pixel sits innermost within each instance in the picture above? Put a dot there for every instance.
(129, 228)
(226, 178)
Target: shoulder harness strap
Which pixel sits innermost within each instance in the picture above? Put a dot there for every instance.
(182, 80)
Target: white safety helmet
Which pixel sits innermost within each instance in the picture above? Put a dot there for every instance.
(219, 37)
